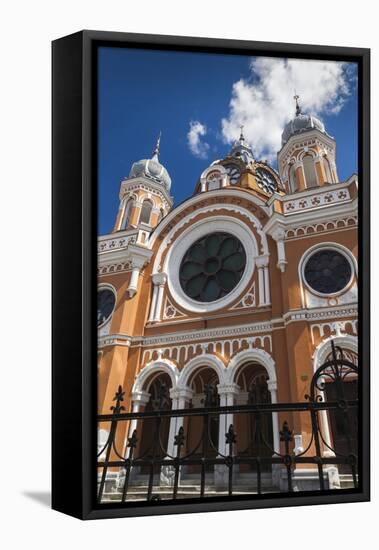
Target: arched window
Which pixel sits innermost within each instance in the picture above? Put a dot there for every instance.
(328, 172)
(214, 180)
(127, 212)
(293, 180)
(310, 172)
(145, 212)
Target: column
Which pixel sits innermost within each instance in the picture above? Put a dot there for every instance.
(227, 395)
(279, 236)
(320, 170)
(153, 301)
(261, 292)
(159, 279)
(178, 401)
(139, 400)
(263, 279)
(300, 179)
(327, 453)
(267, 285)
(272, 388)
(179, 398)
(276, 468)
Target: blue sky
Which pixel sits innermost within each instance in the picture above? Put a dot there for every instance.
(142, 92)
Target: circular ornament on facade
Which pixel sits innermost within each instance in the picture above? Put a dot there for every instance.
(328, 271)
(105, 305)
(212, 267)
(265, 180)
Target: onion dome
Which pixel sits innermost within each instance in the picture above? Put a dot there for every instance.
(152, 169)
(301, 123)
(241, 150)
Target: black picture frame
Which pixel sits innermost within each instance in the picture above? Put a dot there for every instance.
(74, 229)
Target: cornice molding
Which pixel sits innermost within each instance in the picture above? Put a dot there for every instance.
(278, 323)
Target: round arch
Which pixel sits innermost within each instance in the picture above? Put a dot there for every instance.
(155, 367)
(206, 360)
(322, 351)
(257, 355)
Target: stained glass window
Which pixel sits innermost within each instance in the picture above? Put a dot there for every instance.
(212, 267)
(105, 303)
(327, 271)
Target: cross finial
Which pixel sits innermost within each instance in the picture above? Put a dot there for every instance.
(298, 108)
(157, 145)
(242, 137)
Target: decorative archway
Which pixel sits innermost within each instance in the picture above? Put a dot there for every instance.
(159, 365)
(264, 359)
(320, 356)
(254, 355)
(205, 360)
(346, 341)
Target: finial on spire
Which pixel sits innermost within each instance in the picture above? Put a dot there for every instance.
(242, 137)
(157, 145)
(298, 108)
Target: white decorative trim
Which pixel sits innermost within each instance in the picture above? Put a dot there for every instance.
(115, 242)
(345, 341)
(155, 367)
(170, 311)
(206, 360)
(104, 329)
(226, 194)
(224, 347)
(318, 227)
(141, 397)
(114, 340)
(337, 327)
(248, 300)
(306, 290)
(253, 355)
(156, 189)
(119, 267)
(316, 200)
(253, 329)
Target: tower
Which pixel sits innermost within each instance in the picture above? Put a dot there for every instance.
(144, 195)
(307, 158)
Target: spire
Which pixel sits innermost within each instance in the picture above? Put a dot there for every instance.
(157, 146)
(298, 108)
(242, 137)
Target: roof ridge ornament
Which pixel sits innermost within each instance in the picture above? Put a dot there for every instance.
(242, 137)
(157, 146)
(298, 108)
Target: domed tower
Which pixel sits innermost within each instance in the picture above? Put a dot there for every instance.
(144, 195)
(307, 158)
(240, 168)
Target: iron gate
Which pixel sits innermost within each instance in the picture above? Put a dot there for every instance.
(336, 371)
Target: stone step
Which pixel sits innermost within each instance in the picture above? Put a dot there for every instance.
(346, 481)
(166, 493)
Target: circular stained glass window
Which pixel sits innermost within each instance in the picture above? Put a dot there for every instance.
(327, 271)
(212, 267)
(105, 304)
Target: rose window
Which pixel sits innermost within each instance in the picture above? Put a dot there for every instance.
(212, 267)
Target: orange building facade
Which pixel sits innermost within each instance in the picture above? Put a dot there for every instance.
(240, 288)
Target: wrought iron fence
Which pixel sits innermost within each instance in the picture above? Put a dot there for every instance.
(205, 454)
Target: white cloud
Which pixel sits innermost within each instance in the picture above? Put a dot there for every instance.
(264, 102)
(197, 147)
